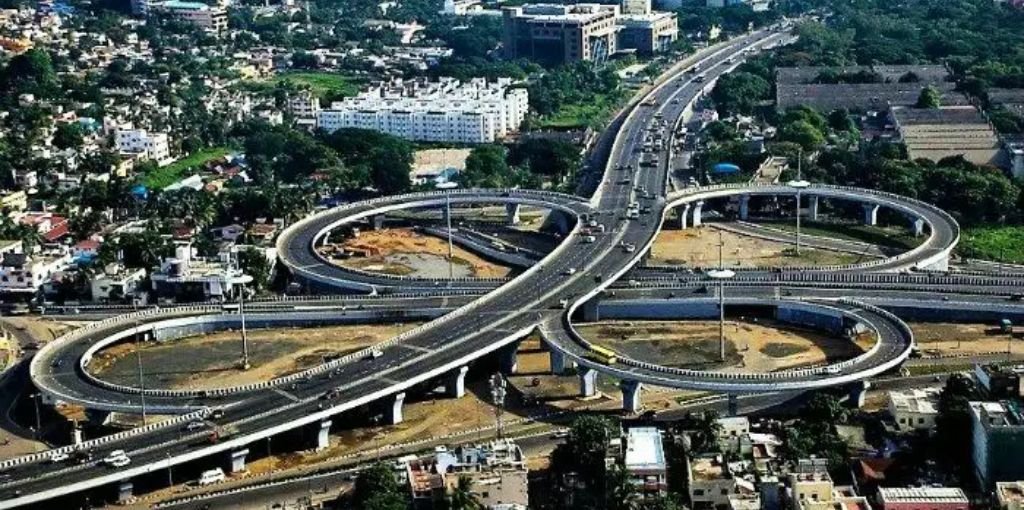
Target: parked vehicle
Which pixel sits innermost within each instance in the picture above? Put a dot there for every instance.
(212, 476)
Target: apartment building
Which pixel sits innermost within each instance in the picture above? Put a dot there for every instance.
(645, 461)
(213, 18)
(811, 488)
(303, 105)
(649, 32)
(143, 144)
(997, 432)
(447, 110)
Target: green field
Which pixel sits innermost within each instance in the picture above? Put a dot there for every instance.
(165, 176)
(595, 113)
(891, 237)
(322, 84)
(1001, 244)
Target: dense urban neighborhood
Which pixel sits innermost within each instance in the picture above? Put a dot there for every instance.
(510, 255)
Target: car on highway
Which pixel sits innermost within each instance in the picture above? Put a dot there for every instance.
(569, 272)
(212, 476)
(56, 457)
(589, 239)
(117, 458)
(194, 425)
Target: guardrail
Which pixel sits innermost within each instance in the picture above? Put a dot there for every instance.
(894, 202)
(87, 445)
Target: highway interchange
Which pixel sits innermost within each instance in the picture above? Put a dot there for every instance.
(490, 321)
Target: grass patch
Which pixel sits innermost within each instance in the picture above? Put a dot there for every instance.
(1001, 244)
(596, 112)
(165, 176)
(325, 85)
(886, 237)
(781, 350)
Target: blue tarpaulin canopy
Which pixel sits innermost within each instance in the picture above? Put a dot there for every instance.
(725, 168)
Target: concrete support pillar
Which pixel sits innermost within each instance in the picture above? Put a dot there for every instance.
(378, 222)
(393, 412)
(76, 434)
(591, 312)
(559, 363)
(870, 214)
(588, 382)
(512, 214)
(97, 416)
(456, 385)
(858, 392)
(917, 227)
(697, 210)
(237, 458)
(814, 208)
(323, 435)
(684, 213)
(125, 493)
(509, 359)
(631, 396)
(744, 207)
(734, 404)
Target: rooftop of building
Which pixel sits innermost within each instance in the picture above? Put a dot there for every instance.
(891, 73)
(1010, 491)
(946, 115)
(577, 13)
(998, 414)
(934, 495)
(707, 468)
(923, 401)
(644, 450)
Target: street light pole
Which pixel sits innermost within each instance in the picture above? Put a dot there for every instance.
(721, 274)
(39, 422)
(448, 220)
(245, 336)
(800, 184)
(142, 379)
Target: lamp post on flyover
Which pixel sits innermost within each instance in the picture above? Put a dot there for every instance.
(142, 379)
(245, 335)
(721, 274)
(800, 185)
(448, 220)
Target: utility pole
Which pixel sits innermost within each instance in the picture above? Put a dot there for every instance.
(448, 220)
(142, 379)
(721, 274)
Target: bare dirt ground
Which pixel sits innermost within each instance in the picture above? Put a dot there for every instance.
(211, 361)
(952, 338)
(385, 250)
(699, 247)
(754, 347)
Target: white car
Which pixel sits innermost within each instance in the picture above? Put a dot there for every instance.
(59, 457)
(120, 462)
(571, 271)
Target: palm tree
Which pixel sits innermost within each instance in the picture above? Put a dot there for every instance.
(462, 497)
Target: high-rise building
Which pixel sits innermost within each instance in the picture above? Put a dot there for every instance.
(561, 34)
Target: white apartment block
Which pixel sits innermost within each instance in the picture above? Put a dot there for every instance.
(21, 273)
(447, 110)
(213, 18)
(303, 105)
(148, 145)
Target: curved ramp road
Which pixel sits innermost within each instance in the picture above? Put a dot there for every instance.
(544, 295)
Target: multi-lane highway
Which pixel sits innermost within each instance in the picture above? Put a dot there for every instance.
(485, 321)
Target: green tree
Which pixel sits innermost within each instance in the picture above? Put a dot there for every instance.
(953, 423)
(254, 263)
(620, 492)
(485, 168)
(377, 489)
(68, 135)
(462, 497)
(929, 98)
(803, 134)
(739, 92)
